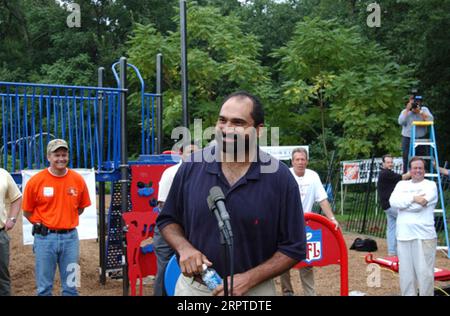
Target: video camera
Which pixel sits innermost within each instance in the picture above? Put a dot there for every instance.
(416, 99)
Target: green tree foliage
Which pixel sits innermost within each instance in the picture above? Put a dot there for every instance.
(417, 34)
(272, 22)
(336, 84)
(226, 7)
(34, 33)
(323, 72)
(221, 59)
(77, 71)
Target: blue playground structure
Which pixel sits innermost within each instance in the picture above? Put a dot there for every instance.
(89, 118)
(93, 120)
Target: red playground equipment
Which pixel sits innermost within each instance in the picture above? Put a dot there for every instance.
(325, 246)
(141, 259)
(141, 221)
(392, 264)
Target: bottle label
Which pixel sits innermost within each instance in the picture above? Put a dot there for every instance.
(212, 280)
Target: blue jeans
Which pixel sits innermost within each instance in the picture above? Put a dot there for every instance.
(50, 251)
(391, 215)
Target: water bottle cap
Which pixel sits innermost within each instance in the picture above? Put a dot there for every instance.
(204, 266)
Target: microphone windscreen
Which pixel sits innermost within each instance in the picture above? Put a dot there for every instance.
(210, 202)
(216, 193)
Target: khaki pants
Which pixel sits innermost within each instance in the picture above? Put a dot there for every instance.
(189, 287)
(307, 278)
(416, 266)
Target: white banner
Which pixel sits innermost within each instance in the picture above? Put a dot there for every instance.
(358, 171)
(282, 152)
(87, 228)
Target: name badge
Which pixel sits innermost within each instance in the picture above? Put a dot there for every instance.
(48, 191)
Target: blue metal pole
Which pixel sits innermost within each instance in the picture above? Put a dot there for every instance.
(153, 125)
(159, 104)
(5, 135)
(27, 152)
(82, 128)
(33, 128)
(110, 125)
(63, 104)
(49, 122)
(146, 130)
(77, 129)
(55, 113)
(69, 128)
(89, 131)
(97, 149)
(13, 140)
(41, 145)
(19, 134)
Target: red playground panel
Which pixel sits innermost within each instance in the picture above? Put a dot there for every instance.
(145, 185)
(141, 226)
(325, 246)
(392, 263)
(141, 222)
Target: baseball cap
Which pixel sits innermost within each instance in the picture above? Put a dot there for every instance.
(54, 144)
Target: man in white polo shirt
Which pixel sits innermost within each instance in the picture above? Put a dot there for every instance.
(311, 191)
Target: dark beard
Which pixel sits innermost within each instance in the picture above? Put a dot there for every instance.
(239, 148)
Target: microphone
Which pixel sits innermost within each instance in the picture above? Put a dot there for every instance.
(216, 203)
(214, 209)
(218, 198)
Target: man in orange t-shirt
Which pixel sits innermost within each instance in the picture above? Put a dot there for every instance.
(53, 200)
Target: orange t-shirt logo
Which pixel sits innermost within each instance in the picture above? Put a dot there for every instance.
(72, 191)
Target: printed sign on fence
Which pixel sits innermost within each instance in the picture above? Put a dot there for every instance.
(351, 172)
(358, 171)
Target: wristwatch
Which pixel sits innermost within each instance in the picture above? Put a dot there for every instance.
(13, 219)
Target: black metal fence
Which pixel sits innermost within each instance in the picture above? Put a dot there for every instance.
(355, 199)
(360, 202)
(359, 206)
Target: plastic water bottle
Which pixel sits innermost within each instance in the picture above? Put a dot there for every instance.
(210, 277)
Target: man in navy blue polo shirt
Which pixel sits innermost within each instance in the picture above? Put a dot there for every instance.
(262, 198)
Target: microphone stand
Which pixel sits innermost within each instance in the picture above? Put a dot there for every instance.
(225, 252)
(226, 240)
(229, 249)
(223, 242)
(228, 234)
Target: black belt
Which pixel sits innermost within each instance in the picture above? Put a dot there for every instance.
(60, 231)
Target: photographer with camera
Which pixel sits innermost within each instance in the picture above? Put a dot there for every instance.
(414, 111)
